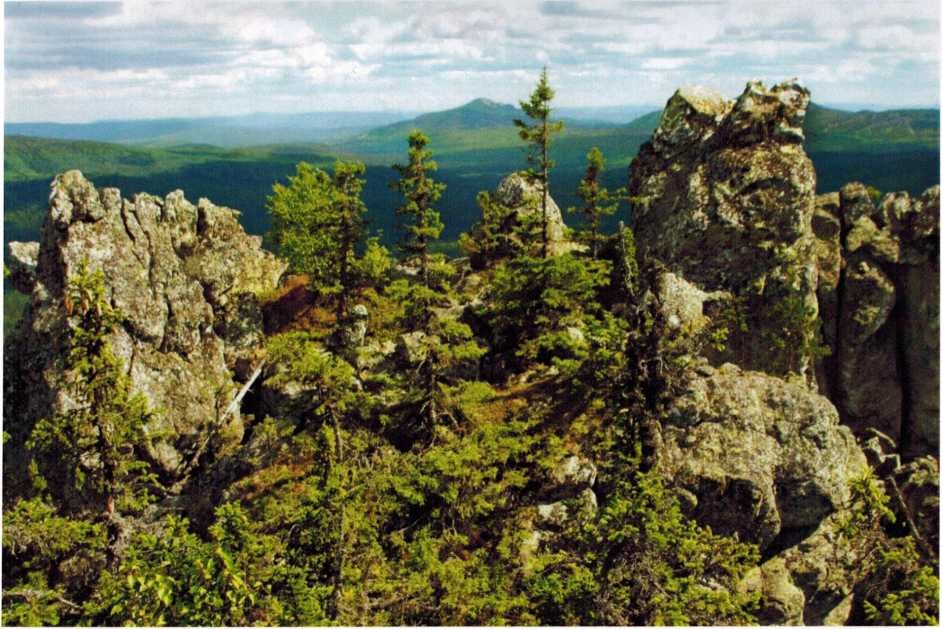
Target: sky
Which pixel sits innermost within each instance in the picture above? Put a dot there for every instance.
(83, 61)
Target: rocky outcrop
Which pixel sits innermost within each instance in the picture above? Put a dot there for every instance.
(757, 456)
(723, 197)
(725, 215)
(878, 284)
(187, 280)
(522, 207)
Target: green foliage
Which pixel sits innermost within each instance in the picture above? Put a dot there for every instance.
(538, 136)
(91, 445)
(318, 223)
(375, 264)
(494, 236)
(899, 584)
(642, 562)
(535, 302)
(904, 588)
(37, 542)
(303, 362)
(597, 201)
(423, 223)
(441, 345)
(175, 578)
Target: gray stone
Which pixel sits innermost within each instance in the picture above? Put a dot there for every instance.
(781, 602)
(21, 262)
(575, 471)
(879, 296)
(761, 455)
(723, 196)
(186, 280)
(412, 347)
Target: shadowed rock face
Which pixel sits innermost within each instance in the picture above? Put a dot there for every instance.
(186, 279)
(761, 456)
(879, 290)
(724, 197)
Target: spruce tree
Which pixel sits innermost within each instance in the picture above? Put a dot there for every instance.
(422, 222)
(443, 343)
(318, 224)
(597, 201)
(351, 226)
(538, 134)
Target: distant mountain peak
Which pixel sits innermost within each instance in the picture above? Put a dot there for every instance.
(484, 102)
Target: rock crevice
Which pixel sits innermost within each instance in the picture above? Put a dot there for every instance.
(160, 258)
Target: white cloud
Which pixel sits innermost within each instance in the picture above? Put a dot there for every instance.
(425, 55)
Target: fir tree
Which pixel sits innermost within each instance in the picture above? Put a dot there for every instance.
(349, 209)
(423, 223)
(493, 237)
(442, 343)
(318, 223)
(597, 201)
(538, 134)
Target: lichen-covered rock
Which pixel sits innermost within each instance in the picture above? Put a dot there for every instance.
(575, 471)
(682, 304)
(826, 226)
(878, 286)
(723, 196)
(525, 198)
(763, 457)
(557, 514)
(412, 347)
(781, 601)
(21, 264)
(186, 279)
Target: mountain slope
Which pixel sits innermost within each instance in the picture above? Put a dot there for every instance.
(834, 130)
(227, 131)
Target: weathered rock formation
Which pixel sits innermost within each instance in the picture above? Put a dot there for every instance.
(724, 206)
(523, 203)
(879, 292)
(187, 280)
(759, 457)
(723, 196)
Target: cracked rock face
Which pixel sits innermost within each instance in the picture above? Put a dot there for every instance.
(723, 196)
(878, 283)
(186, 278)
(763, 457)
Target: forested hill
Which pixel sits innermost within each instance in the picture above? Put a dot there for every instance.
(475, 145)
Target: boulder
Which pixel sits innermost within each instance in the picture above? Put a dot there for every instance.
(575, 471)
(523, 199)
(765, 459)
(185, 278)
(723, 196)
(354, 334)
(556, 515)
(412, 347)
